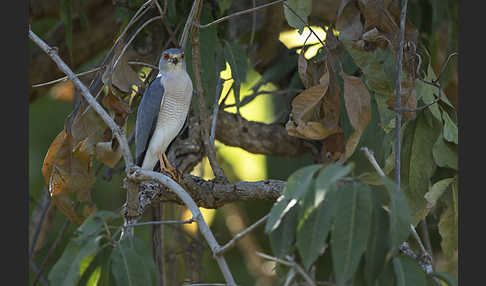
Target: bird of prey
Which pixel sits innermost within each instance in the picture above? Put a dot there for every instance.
(162, 111)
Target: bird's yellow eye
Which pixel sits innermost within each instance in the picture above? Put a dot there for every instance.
(166, 56)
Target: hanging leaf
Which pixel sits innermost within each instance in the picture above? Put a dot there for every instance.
(400, 218)
(351, 230)
(450, 129)
(69, 175)
(303, 8)
(358, 107)
(238, 62)
(283, 236)
(66, 271)
(122, 76)
(312, 235)
(297, 185)
(417, 162)
(448, 224)
(378, 242)
(445, 154)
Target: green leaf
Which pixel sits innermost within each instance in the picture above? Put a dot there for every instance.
(66, 10)
(445, 154)
(312, 235)
(378, 66)
(378, 242)
(130, 266)
(436, 191)
(408, 272)
(92, 271)
(67, 270)
(238, 62)
(92, 226)
(426, 93)
(400, 219)
(450, 129)
(283, 237)
(351, 230)
(303, 8)
(417, 162)
(448, 224)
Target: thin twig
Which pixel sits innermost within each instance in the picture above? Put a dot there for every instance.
(204, 120)
(398, 90)
(445, 65)
(253, 24)
(138, 173)
(371, 158)
(238, 236)
(51, 250)
(236, 14)
(163, 222)
(64, 78)
(188, 25)
(289, 262)
(215, 111)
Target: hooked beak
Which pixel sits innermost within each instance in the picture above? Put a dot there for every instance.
(175, 60)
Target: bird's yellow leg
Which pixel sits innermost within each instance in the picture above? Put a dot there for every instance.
(167, 167)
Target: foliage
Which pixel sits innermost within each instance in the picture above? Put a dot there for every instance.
(337, 218)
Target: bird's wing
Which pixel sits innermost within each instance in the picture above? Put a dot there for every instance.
(147, 114)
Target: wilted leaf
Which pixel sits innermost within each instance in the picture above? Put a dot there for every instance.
(351, 230)
(436, 191)
(358, 107)
(308, 117)
(408, 272)
(418, 166)
(69, 175)
(123, 76)
(303, 8)
(348, 21)
(312, 235)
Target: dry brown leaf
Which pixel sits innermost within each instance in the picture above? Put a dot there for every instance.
(408, 99)
(302, 69)
(69, 174)
(333, 147)
(348, 21)
(123, 76)
(357, 101)
(358, 108)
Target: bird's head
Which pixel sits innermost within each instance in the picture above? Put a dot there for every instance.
(172, 60)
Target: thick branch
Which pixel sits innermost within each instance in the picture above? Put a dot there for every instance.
(259, 138)
(212, 195)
